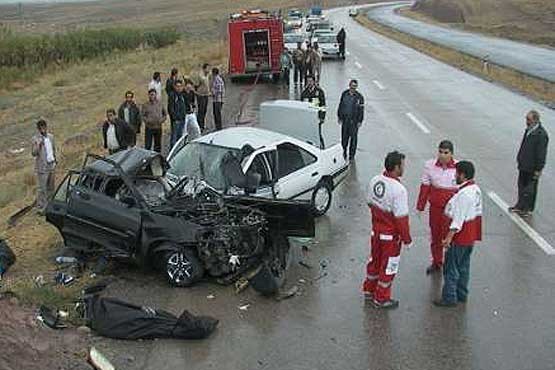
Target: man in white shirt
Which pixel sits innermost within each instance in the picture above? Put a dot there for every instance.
(156, 84)
(44, 151)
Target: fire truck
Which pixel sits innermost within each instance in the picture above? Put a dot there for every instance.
(255, 44)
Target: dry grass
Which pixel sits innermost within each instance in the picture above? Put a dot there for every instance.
(529, 85)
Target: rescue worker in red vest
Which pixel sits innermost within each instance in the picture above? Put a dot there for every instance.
(388, 202)
(437, 187)
(465, 213)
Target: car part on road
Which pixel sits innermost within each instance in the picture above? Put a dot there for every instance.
(272, 272)
(99, 361)
(50, 318)
(113, 318)
(182, 267)
(321, 198)
(17, 216)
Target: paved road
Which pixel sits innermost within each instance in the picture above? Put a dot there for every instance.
(508, 321)
(532, 60)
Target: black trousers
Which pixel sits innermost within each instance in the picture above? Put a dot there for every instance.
(349, 137)
(527, 190)
(298, 73)
(308, 71)
(217, 109)
(286, 75)
(202, 109)
(342, 50)
(153, 135)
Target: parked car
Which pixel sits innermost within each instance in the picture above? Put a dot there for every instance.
(353, 12)
(328, 45)
(290, 40)
(291, 159)
(123, 207)
(294, 22)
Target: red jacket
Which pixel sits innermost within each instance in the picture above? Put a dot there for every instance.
(465, 212)
(438, 184)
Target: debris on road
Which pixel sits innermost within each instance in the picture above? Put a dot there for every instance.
(210, 296)
(293, 291)
(50, 318)
(99, 361)
(244, 307)
(305, 265)
(113, 318)
(62, 278)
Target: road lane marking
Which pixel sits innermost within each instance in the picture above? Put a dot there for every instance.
(358, 65)
(417, 122)
(527, 229)
(377, 83)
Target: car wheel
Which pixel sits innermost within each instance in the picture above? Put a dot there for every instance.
(182, 267)
(321, 198)
(271, 276)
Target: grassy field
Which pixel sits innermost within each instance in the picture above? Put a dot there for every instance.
(522, 20)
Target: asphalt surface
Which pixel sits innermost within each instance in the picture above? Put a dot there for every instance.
(508, 321)
(533, 60)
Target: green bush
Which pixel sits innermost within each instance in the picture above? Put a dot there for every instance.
(24, 51)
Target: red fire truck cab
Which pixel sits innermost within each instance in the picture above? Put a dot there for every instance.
(255, 44)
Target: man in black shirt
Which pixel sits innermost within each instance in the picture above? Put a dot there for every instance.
(316, 96)
(350, 115)
(531, 160)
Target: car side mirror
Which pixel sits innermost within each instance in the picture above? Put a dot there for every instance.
(128, 201)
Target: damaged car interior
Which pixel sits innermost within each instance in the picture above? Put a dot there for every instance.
(123, 207)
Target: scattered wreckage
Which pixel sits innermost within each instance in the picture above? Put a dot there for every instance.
(123, 207)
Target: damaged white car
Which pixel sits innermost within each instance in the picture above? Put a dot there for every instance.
(283, 158)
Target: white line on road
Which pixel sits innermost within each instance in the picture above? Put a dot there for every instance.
(527, 229)
(418, 123)
(358, 65)
(377, 83)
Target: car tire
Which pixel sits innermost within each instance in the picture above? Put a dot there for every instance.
(182, 267)
(271, 276)
(321, 198)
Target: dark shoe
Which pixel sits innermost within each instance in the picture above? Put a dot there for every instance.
(514, 209)
(432, 269)
(524, 214)
(442, 303)
(462, 300)
(387, 305)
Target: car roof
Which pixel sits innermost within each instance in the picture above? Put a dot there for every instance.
(237, 137)
(130, 161)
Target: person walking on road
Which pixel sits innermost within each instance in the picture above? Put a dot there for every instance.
(298, 64)
(116, 133)
(177, 104)
(309, 60)
(388, 202)
(341, 36)
(531, 161)
(317, 54)
(191, 124)
(464, 210)
(286, 65)
(153, 114)
(156, 84)
(350, 115)
(218, 94)
(131, 114)
(44, 150)
(202, 89)
(437, 187)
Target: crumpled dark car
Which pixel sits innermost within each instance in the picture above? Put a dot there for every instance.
(122, 207)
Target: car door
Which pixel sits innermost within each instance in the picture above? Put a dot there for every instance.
(56, 211)
(262, 162)
(297, 172)
(98, 214)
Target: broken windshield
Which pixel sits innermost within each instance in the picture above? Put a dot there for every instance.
(201, 161)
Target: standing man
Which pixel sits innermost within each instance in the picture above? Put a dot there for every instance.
(191, 124)
(116, 133)
(177, 103)
(131, 114)
(156, 84)
(465, 212)
(438, 186)
(154, 114)
(309, 60)
(298, 63)
(170, 83)
(315, 95)
(286, 65)
(350, 115)
(531, 160)
(44, 151)
(388, 202)
(202, 88)
(341, 36)
(317, 61)
(218, 93)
